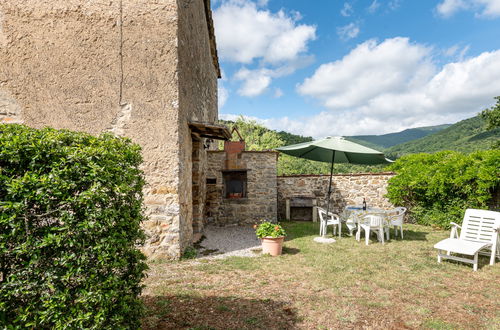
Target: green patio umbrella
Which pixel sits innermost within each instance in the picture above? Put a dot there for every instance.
(335, 150)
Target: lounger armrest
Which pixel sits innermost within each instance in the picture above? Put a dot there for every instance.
(454, 230)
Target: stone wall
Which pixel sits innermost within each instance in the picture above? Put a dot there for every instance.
(347, 189)
(138, 68)
(261, 200)
(197, 73)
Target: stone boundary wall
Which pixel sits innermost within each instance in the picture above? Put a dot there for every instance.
(261, 200)
(347, 189)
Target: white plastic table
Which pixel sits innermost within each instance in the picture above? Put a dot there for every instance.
(352, 215)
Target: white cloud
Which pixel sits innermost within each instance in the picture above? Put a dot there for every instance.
(278, 93)
(457, 52)
(394, 4)
(449, 7)
(262, 3)
(482, 8)
(255, 82)
(348, 31)
(222, 95)
(451, 51)
(373, 7)
(491, 7)
(347, 10)
(269, 44)
(235, 117)
(367, 71)
(392, 85)
(245, 33)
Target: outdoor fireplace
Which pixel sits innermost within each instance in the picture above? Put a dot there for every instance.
(235, 183)
(234, 175)
(301, 208)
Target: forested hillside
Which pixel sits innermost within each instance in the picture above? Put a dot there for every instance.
(465, 136)
(258, 137)
(384, 141)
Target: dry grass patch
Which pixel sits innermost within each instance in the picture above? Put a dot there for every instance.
(313, 286)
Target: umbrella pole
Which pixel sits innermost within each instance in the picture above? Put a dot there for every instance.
(329, 190)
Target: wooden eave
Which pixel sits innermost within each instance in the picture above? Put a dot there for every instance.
(211, 37)
(210, 131)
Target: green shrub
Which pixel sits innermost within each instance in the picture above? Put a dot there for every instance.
(269, 229)
(437, 188)
(190, 253)
(70, 213)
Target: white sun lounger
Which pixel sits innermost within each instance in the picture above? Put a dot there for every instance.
(478, 234)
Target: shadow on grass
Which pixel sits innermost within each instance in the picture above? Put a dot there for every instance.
(411, 235)
(290, 250)
(194, 312)
(482, 261)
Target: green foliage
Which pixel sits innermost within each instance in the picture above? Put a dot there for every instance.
(492, 115)
(437, 188)
(190, 253)
(268, 229)
(70, 213)
(467, 136)
(257, 137)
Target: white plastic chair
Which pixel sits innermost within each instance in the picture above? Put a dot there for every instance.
(372, 223)
(349, 219)
(396, 219)
(332, 220)
(478, 234)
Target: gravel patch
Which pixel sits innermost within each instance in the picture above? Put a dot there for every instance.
(223, 242)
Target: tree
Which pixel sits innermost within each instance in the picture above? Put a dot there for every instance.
(258, 137)
(492, 117)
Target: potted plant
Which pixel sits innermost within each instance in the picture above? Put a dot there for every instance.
(272, 236)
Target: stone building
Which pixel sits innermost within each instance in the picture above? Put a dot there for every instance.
(147, 70)
(241, 186)
(144, 69)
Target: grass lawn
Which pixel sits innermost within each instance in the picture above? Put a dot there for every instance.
(313, 286)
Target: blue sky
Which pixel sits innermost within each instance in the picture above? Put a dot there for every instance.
(330, 67)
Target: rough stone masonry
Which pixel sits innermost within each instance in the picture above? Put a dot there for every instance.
(142, 69)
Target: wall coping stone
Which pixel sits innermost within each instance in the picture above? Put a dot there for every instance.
(247, 151)
(337, 174)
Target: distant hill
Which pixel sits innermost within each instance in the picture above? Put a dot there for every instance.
(381, 142)
(465, 136)
(290, 138)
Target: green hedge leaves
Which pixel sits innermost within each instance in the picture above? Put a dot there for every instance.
(437, 188)
(70, 214)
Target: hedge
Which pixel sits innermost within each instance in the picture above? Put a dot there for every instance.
(70, 213)
(437, 188)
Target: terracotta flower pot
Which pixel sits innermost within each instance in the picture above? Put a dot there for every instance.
(272, 245)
